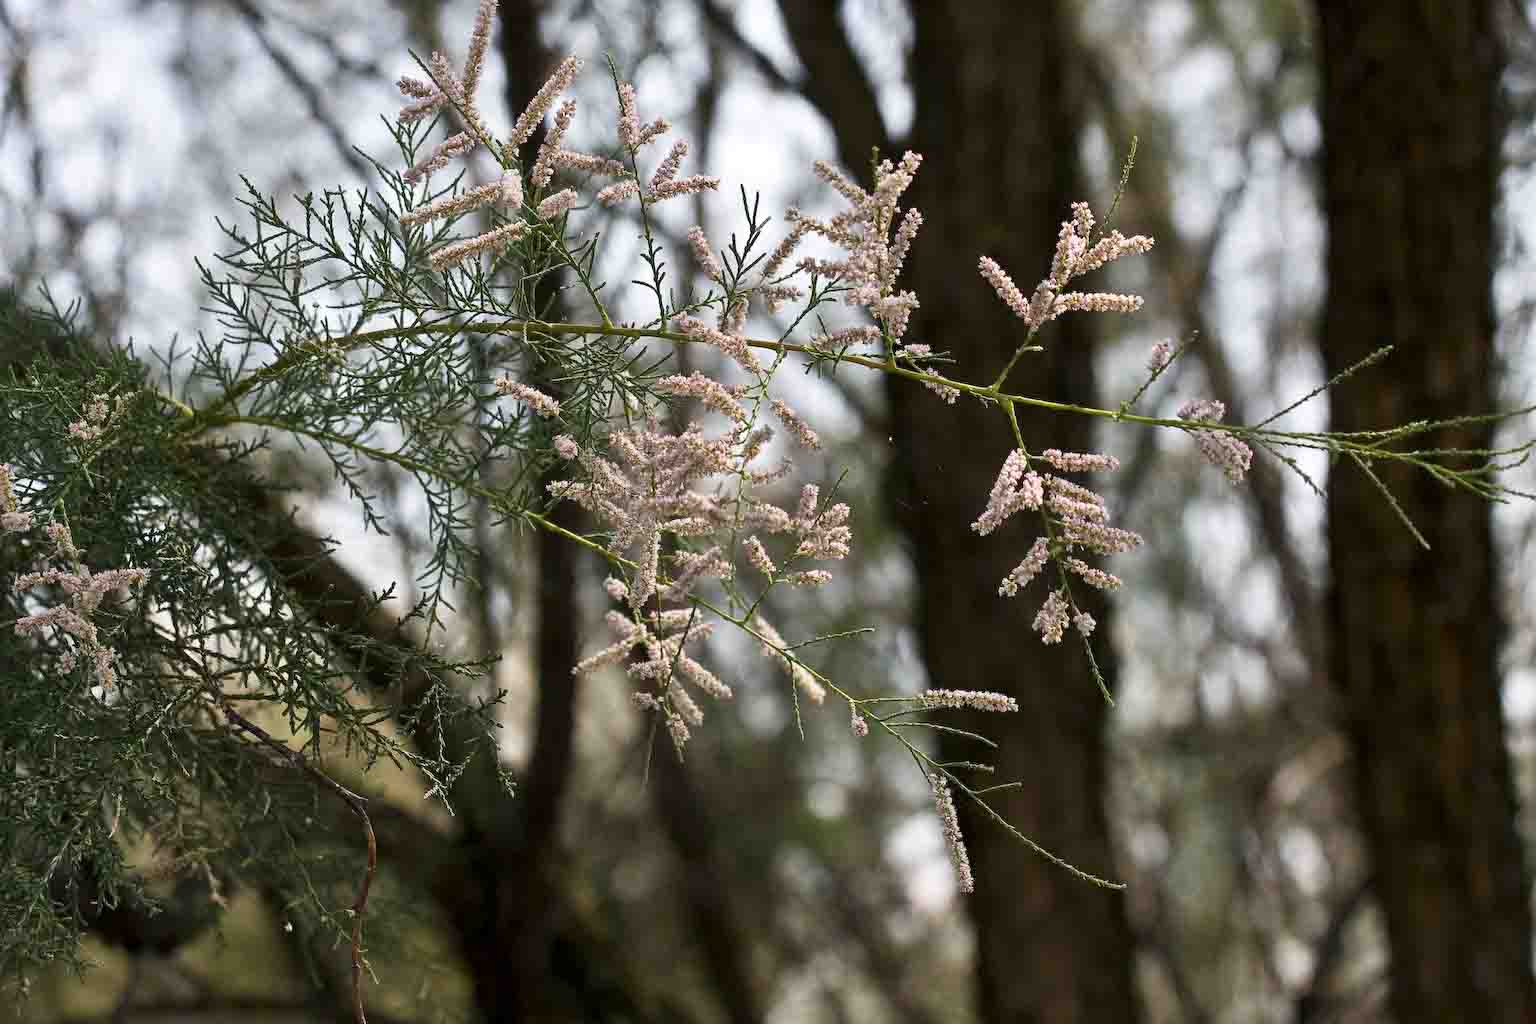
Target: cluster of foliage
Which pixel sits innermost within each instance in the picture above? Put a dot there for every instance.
(164, 685)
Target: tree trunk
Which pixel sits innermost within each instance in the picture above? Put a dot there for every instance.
(1412, 135)
(997, 121)
(519, 971)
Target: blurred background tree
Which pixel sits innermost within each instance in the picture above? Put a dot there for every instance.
(1305, 782)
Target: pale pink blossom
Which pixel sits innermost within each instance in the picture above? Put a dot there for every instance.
(1098, 538)
(1090, 503)
(537, 107)
(1095, 302)
(823, 534)
(629, 117)
(1078, 462)
(677, 729)
(7, 489)
(1051, 622)
(691, 566)
(1014, 489)
(1221, 449)
(758, 556)
(449, 255)
(944, 391)
(427, 99)
(732, 345)
(62, 616)
(619, 191)
(544, 164)
(690, 185)
(59, 533)
(447, 80)
(1094, 577)
(954, 839)
(976, 700)
(12, 519)
(646, 489)
(667, 169)
(530, 396)
(85, 591)
(873, 258)
(479, 40)
(769, 518)
(553, 206)
(653, 130)
(587, 163)
(796, 426)
(709, 392)
(507, 191)
(703, 255)
(102, 659)
(1003, 284)
(1026, 570)
(685, 705)
(702, 678)
(95, 418)
(910, 223)
(1074, 256)
(774, 296)
(786, 248)
(454, 145)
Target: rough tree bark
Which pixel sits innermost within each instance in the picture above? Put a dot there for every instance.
(997, 120)
(508, 945)
(1411, 141)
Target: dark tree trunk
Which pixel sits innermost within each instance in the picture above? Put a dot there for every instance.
(519, 971)
(997, 121)
(1412, 135)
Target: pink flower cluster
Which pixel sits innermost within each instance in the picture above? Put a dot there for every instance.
(727, 338)
(12, 518)
(1016, 488)
(664, 182)
(976, 700)
(1220, 448)
(954, 839)
(709, 392)
(917, 355)
(651, 646)
(703, 255)
(823, 534)
(97, 415)
(648, 491)
(84, 589)
(876, 235)
(1076, 517)
(532, 397)
(458, 90)
(1076, 254)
